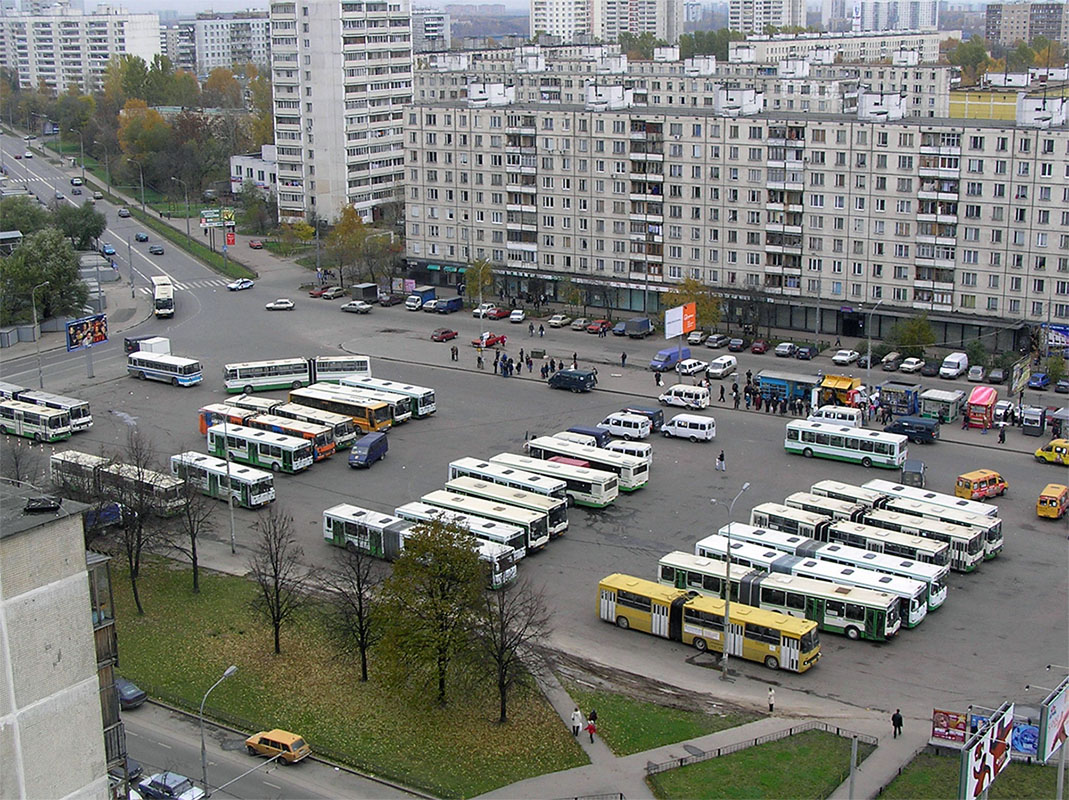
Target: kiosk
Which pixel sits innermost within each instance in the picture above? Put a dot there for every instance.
(942, 405)
(980, 407)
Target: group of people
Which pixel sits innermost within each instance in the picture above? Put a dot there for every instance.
(506, 366)
(590, 725)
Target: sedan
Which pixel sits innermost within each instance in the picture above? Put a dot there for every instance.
(256, 244)
(976, 373)
(599, 325)
(806, 352)
(1039, 380)
(319, 291)
(27, 154)
(130, 694)
(489, 340)
(737, 345)
(76, 181)
(996, 376)
(156, 249)
(697, 337)
(619, 329)
(717, 340)
(482, 309)
(786, 349)
(517, 316)
(282, 304)
(357, 307)
(140, 236)
(441, 334)
(76, 190)
(580, 324)
(169, 786)
(691, 366)
(240, 285)
(1062, 386)
(108, 249)
(845, 357)
(891, 364)
(912, 365)
(759, 346)
(123, 212)
(930, 369)
(497, 313)
(133, 770)
(559, 321)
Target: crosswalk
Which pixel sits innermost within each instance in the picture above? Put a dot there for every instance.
(207, 283)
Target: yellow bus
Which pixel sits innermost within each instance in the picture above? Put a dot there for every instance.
(776, 640)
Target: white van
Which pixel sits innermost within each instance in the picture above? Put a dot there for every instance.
(721, 367)
(840, 415)
(636, 449)
(686, 396)
(578, 438)
(691, 426)
(630, 426)
(954, 365)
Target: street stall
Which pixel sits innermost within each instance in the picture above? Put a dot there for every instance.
(839, 390)
(980, 408)
(1033, 420)
(903, 399)
(942, 405)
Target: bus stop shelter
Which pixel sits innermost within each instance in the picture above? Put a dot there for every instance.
(942, 405)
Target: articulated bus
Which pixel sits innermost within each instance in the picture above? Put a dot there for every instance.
(366, 415)
(383, 536)
(990, 527)
(243, 486)
(423, 402)
(218, 413)
(555, 508)
(341, 425)
(485, 530)
(881, 540)
(534, 524)
(632, 472)
(321, 437)
(81, 418)
(932, 576)
(848, 493)
(261, 405)
(827, 506)
(34, 422)
(928, 496)
(263, 376)
(966, 544)
(92, 475)
(260, 448)
(912, 595)
(586, 487)
(175, 370)
(508, 476)
(790, 520)
(776, 640)
(76, 472)
(400, 405)
(858, 445)
(847, 610)
(330, 369)
(10, 391)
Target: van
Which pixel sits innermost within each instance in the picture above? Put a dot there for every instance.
(690, 426)
(654, 415)
(1056, 451)
(1053, 501)
(840, 415)
(578, 438)
(721, 367)
(289, 747)
(600, 437)
(919, 429)
(636, 449)
(954, 366)
(980, 484)
(913, 471)
(630, 426)
(685, 396)
(578, 380)
(668, 358)
(368, 449)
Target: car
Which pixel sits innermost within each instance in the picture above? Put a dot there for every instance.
(256, 244)
(598, 325)
(98, 196)
(319, 291)
(140, 236)
(517, 315)
(759, 346)
(845, 357)
(123, 212)
(288, 748)
(735, 345)
(133, 770)
(388, 299)
(1062, 386)
(156, 249)
(559, 321)
(107, 249)
(619, 329)
(996, 376)
(891, 361)
(240, 285)
(580, 323)
(786, 349)
(76, 190)
(488, 339)
(282, 304)
(443, 335)
(717, 340)
(27, 154)
(357, 307)
(482, 309)
(806, 352)
(18, 156)
(862, 361)
(497, 313)
(1039, 380)
(976, 373)
(697, 337)
(911, 365)
(691, 366)
(332, 293)
(930, 369)
(30, 137)
(430, 305)
(76, 181)
(59, 196)
(130, 694)
(169, 786)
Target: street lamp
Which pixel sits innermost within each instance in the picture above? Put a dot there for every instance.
(868, 361)
(81, 149)
(203, 749)
(141, 171)
(727, 583)
(185, 188)
(37, 332)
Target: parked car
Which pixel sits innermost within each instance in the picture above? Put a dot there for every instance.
(575, 380)
(930, 369)
(559, 321)
(1039, 380)
(717, 340)
(443, 335)
(517, 315)
(240, 285)
(845, 357)
(288, 747)
(156, 249)
(488, 339)
(333, 293)
(108, 249)
(620, 328)
(598, 325)
(911, 365)
(430, 306)
(736, 345)
(481, 310)
(133, 770)
(580, 323)
(891, 362)
(759, 346)
(123, 212)
(691, 366)
(256, 244)
(130, 694)
(996, 376)
(318, 291)
(697, 337)
(357, 307)
(1062, 386)
(806, 352)
(169, 786)
(140, 236)
(976, 373)
(391, 299)
(282, 304)
(497, 313)
(786, 349)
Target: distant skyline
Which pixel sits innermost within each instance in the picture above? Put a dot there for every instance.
(187, 9)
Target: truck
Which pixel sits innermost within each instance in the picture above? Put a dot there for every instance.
(638, 328)
(418, 296)
(155, 344)
(368, 292)
(449, 305)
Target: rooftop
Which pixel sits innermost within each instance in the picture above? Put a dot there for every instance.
(13, 515)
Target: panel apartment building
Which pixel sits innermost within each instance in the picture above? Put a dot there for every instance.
(818, 214)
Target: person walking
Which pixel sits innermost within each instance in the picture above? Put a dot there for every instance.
(577, 721)
(721, 393)
(623, 360)
(657, 378)
(479, 362)
(592, 716)
(720, 465)
(591, 728)
(1002, 434)
(771, 700)
(896, 723)
(735, 394)
(575, 361)
(530, 329)
(964, 421)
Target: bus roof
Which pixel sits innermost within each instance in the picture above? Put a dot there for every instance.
(629, 583)
(259, 435)
(26, 408)
(365, 515)
(788, 511)
(506, 494)
(236, 470)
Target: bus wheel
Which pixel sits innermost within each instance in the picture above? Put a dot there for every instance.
(37, 437)
(141, 376)
(174, 381)
(296, 385)
(852, 633)
(808, 452)
(275, 467)
(622, 622)
(700, 645)
(866, 462)
(247, 390)
(771, 662)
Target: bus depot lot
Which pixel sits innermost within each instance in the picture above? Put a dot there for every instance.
(998, 627)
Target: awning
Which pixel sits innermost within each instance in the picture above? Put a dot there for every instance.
(983, 396)
(433, 267)
(449, 269)
(838, 383)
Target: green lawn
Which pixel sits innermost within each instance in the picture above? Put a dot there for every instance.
(810, 765)
(631, 726)
(930, 776)
(185, 641)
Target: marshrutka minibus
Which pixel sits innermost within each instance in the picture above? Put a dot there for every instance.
(260, 448)
(587, 487)
(776, 640)
(555, 508)
(243, 486)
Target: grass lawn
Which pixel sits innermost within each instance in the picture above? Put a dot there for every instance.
(809, 765)
(185, 641)
(631, 726)
(931, 775)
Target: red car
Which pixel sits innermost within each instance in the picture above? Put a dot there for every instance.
(759, 346)
(599, 325)
(489, 340)
(319, 291)
(256, 244)
(443, 335)
(497, 313)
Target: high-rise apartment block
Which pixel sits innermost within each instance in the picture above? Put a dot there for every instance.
(564, 18)
(342, 77)
(431, 30)
(605, 20)
(848, 47)
(755, 16)
(894, 15)
(1008, 23)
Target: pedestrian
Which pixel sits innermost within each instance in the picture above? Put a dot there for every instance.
(575, 360)
(837, 342)
(530, 329)
(541, 331)
(623, 360)
(521, 354)
(721, 393)
(720, 465)
(735, 394)
(983, 429)
(591, 728)
(592, 716)
(552, 365)
(896, 722)
(530, 365)
(749, 377)
(496, 361)
(748, 400)
(479, 362)
(964, 421)
(577, 721)
(771, 700)
(1002, 434)
(657, 378)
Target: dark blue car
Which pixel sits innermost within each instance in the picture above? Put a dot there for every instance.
(1039, 380)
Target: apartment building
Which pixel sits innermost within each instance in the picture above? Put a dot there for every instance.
(818, 214)
(341, 77)
(566, 19)
(228, 40)
(894, 15)
(1008, 23)
(754, 16)
(849, 47)
(431, 30)
(63, 47)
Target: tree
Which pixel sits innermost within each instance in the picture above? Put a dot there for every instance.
(640, 47)
(977, 353)
(221, 89)
(158, 81)
(81, 224)
(259, 212)
(355, 605)
(42, 256)
(73, 112)
(1048, 53)
(569, 294)
(1020, 57)
(20, 461)
(971, 56)
(690, 290)
(275, 568)
(714, 43)
(20, 213)
(185, 90)
(143, 132)
(432, 596)
(195, 517)
(911, 336)
(478, 281)
(263, 122)
(1055, 367)
(510, 620)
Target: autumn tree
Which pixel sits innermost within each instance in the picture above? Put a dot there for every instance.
(263, 121)
(275, 568)
(478, 281)
(221, 90)
(354, 606)
(639, 47)
(142, 130)
(362, 252)
(691, 290)
(294, 234)
(195, 518)
(1048, 53)
(43, 256)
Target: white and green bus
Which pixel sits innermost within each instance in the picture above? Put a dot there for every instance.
(882, 540)
(554, 507)
(400, 406)
(990, 527)
(849, 493)
(259, 448)
(39, 423)
(264, 376)
(96, 476)
(892, 489)
(241, 485)
(344, 432)
(631, 472)
(331, 369)
(966, 544)
(586, 486)
(790, 520)
(827, 506)
(857, 445)
(423, 401)
(534, 524)
(485, 530)
(508, 476)
(81, 418)
(261, 405)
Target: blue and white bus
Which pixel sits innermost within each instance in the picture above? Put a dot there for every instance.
(175, 370)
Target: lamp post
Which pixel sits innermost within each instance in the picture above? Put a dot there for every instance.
(81, 149)
(37, 332)
(203, 749)
(141, 172)
(185, 188)
(868, 335)
(727, 583)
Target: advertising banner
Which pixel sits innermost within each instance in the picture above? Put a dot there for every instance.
(986, 753)
(87, 331)
(679, 320)
(1054, 721)
(949, 726)
(1024, 740)
(690, 317)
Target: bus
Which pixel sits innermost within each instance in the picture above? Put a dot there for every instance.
(858, 445)
(508, 476)
(485, 530)
(330, 369)
(423, 402)
(828, 506)
(400, 406)
(175, 370)
(341, 425)
(92, 476)
(383, 536)
(847, 610)
(366, 415)
(555, 508)
(259, 448)
(881, 540)
(928, 496)
(790, 520)
(990, 527)
(932, 576)
(218, 413)
(633, 473)
(162, 296)
(34, 422)
(261, 405)
(81, 418)
(321, 437)
(10, 391)
(849, 493)
(776, 640)
(586, 487)
(263, 376)
(534, 524)
(243, 486)
(912, 595)
(966, 544)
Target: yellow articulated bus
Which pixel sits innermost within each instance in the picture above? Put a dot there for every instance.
(776, 640)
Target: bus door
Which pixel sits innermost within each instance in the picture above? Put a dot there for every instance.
(874, 624)
(789, 652)
(671, 619)
(608, 605)
(734, 635)
(814, 610)
(245, 497)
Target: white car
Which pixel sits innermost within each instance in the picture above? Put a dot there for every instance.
(482, 310)
(559, 321)
(356, 307)
(430, 306)
(911, 365)
(240, 285)
(691, 366)
(580, 324)
(697, 337)
(517, 315)
(282, 304)
(845, 357)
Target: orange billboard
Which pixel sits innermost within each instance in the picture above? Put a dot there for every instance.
(690, 317)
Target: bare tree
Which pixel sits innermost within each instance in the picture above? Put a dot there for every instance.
(353, 616)
(195, 517)
(21, 461)
(510, 620)
(275, 568)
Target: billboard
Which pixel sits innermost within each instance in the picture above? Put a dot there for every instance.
(217, 217)
(1024, 740)
(86, 331)
(985, 754)
(679, 320)
(949, 726)
(1020, 372)
(1054, 721)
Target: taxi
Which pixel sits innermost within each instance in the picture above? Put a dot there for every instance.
(1056, 451)
(980, 484)
(1053, 501)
